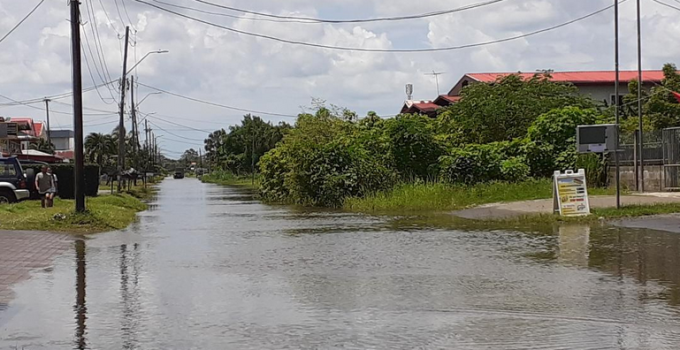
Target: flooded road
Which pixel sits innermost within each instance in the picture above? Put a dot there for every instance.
(210, 267)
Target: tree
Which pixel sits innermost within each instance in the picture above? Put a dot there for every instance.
(504, 110)
(43, 145)
(189, 156)
(100, 148)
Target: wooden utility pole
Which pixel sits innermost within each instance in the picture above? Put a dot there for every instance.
(47, 113)
(121, 122)
(79, 174)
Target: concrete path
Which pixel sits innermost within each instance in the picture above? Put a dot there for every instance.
(24, 251)
(545, 206)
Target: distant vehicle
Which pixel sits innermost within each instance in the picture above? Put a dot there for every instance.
(201, 171)
(13, 181)
(179, 173)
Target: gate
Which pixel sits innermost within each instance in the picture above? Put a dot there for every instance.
(671, 159)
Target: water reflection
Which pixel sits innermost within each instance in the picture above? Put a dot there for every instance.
(574, 245)
(129, 290)
(80, 307)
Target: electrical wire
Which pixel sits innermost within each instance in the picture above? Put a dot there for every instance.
(87, 64)
(173, 134)
(53, 97)
(358, 49)
(228, 15)
(217, 104)
(128, 15)
(98, 42)
(155, 116)
(668, 5)
(110, 22)
(43, 109)
(22, 21)
(118, 10)
(381, 19)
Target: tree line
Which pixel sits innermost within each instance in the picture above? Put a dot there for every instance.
(510, 130)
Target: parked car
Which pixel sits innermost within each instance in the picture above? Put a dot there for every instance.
(14, 184)
(179, 173)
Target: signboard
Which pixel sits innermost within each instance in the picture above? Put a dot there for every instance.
(570, 193)
(597, 138)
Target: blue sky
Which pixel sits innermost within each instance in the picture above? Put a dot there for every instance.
(215, 65)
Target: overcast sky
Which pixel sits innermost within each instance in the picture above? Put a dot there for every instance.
(215, 65)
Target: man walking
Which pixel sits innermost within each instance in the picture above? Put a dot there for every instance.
(43, 183)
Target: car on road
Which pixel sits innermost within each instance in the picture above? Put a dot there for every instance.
(179, 173)
(14, 185)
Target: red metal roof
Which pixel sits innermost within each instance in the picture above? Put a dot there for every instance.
(65, 154)
(38, 129)
(451, 99)
(576, 78)
(426, 106)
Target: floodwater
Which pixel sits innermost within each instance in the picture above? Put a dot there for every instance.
(210, 267)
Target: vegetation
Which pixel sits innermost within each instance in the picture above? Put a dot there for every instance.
(229, 179)
(438, 197)
(500, 142)
(102, 149)
(105, 213)
(240, 149)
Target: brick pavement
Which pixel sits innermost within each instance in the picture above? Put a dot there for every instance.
(24, 251)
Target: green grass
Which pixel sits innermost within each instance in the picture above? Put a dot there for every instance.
(104, 213)
(422, 197)
(228, 179)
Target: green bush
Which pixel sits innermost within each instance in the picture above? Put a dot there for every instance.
(515, 169)
(472, 164)
(65, 176)
(413, 146)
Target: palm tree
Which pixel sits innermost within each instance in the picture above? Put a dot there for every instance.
(99, 148)
(43, 146)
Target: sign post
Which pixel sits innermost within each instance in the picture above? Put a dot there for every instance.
(570, 193)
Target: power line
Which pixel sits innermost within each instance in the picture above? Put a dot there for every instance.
(42, 109)
(228, 15)
(380, 19)
(87, 64)
(177, 124)
(218, 104)
(450, 48)
(52, 97)
(667, 5)
(98, 43)
(22, 21)
(173, 134)
(128, 15)
(118, 10)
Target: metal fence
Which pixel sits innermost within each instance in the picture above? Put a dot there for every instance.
(653, 150)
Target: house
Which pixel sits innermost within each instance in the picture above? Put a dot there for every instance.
(598, 85)
(16, 135)
(63, 141)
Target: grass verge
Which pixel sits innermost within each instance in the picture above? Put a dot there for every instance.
(104, 213)
(422, 197)
(228, 179)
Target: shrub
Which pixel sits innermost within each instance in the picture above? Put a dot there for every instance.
(472, 164)
(515, 169)
(413, 146)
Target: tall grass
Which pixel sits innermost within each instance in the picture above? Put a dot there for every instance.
(423, 197)
(104, 213)
(229, 179)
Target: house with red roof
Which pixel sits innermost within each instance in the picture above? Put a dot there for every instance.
(598, 85)
(16, 136)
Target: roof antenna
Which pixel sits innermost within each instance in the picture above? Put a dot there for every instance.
(436, 78)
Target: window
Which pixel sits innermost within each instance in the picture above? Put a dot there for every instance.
(7, 170)
(612, 100)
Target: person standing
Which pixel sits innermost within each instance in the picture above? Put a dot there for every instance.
(43, 183)
(53, 190)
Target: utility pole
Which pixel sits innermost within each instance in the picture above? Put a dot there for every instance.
(200, 158)
(121, 122)
(47, 112)
(147, 144)
(79, 174)
(616, 103)
(135, 137)
(639, 96)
